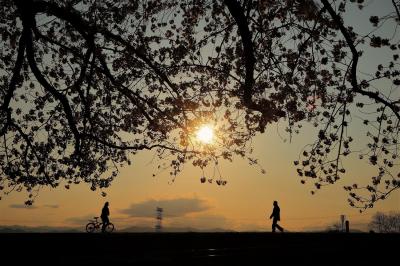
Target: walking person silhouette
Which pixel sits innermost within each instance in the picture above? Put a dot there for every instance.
(276, 216)
(105, 212)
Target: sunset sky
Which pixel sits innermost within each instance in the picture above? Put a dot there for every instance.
(243, 204)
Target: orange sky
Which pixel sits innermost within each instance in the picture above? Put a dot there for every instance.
(243, 204)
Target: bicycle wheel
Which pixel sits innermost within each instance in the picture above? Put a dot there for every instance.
(109, 228)
(90, 227)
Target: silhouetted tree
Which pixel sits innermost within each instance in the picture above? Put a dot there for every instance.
(385, 223)
(85, 83)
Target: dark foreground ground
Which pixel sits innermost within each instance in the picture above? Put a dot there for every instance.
(200, 249)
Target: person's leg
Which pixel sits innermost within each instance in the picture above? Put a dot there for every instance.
(273, 226)
(279, 227)
(105, 223)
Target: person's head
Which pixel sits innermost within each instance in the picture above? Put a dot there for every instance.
(106, 204)
(275, 203)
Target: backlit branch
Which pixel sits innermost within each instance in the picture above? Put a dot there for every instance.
(355, 56)
(5, 111)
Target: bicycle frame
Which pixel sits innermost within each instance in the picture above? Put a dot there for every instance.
(95, 225)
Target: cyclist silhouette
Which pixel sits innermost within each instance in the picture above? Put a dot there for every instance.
(276, 217)
(105, 212)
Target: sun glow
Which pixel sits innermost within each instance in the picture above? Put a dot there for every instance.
(205, 134)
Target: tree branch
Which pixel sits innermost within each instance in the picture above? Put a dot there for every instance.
(12, 85)
(135, 147)
(128, 93)
(397, 10)
(338, 21)
(38, 158)
(248, 48)
(28, 23)
(87, 30)
(163, 77)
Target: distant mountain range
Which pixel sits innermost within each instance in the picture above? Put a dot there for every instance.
(131, 229)
(38, 229)
(137, 229)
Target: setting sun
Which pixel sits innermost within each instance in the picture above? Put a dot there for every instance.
(205, 134)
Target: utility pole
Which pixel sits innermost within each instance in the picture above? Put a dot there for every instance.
(342, 219)
(159, 217)
(347, 226)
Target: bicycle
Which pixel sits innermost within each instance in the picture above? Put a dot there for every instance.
(95, 225)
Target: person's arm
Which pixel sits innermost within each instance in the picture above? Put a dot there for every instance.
(273, 212)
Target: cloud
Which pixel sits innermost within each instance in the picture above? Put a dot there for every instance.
(31, 207)
(22, 206)
(81, 220)
(172, 207)
(52, 206)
